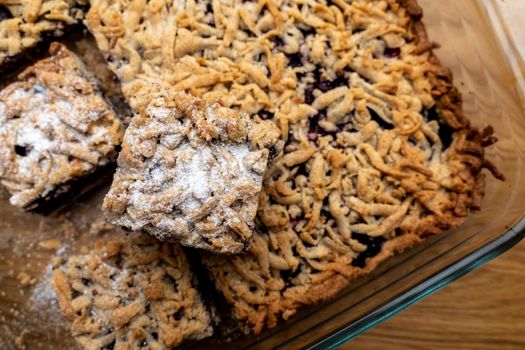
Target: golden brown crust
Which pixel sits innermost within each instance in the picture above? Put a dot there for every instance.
(363, 107)
(55, 127)
(131, 293)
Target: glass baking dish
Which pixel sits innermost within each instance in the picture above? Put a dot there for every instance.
(489, 72)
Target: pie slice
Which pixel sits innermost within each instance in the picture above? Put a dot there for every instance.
(189, 172)
(55, 128)
(131, 293)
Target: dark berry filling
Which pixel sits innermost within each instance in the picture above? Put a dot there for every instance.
(4, 13)
(294, 223)
(307, 31)
(287, 275)
(295, 60)
(431, 114)
(326, 214)
(373, 244)
(22, 151)
(445, 134)
(179, 314)
(382, 123)
(272, 153)
(265, 115)
(317, 72)
(445, 131)
(392, 52)
(301, 170)
(325, 211)
(209, 7)
(309, 95)
(278, 41)
(323, 85)
(327, 85)
(315, 129)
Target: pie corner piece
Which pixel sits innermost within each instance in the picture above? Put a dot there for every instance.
(25, 26)
(131, 293)
(189, 171)
(55, 128)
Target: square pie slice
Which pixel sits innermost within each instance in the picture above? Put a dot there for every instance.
(55, 128)
(189, 172)
(131, 293)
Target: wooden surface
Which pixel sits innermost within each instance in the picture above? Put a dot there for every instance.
(512, 12)
(483, 310)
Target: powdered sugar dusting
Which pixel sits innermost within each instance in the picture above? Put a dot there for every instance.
(159, 112)
(201, 191)
(43, 294)
(43, 304)
(193, 173)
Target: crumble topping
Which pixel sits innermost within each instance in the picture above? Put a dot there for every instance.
(378, 154)
(54, 127)
(189, 171)
(131, 293)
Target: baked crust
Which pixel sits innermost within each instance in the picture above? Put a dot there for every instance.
(188, 171)
(24, 24)
(131, 293)
(378, 152)
(55, 127)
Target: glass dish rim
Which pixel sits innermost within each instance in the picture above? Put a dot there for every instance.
(430, 286)
(463, 266)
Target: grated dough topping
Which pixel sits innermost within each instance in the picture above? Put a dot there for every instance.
(378, 154)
